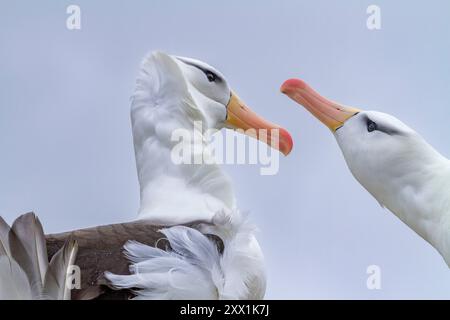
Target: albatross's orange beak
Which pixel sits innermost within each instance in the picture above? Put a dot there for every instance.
(330, 113)
(239, 116)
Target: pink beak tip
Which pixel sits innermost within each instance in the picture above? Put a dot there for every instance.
(287, 142)
(292, 84)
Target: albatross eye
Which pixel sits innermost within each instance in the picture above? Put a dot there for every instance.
(212, 77)
(371, 126)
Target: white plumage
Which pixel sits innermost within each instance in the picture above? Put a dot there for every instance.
(172, 93)
(164, 101)
(403, 172)
(391, 161)
(193, 267)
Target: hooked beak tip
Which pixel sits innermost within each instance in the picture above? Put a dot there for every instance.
(288, 142)
(291, 84)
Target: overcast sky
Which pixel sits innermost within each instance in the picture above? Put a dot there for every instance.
(66, 141)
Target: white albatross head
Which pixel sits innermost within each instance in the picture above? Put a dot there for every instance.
(382, 152)
(390, 160)
(175, 96)
(221, 107)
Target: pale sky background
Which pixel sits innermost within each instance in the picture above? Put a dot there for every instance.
(65, 133)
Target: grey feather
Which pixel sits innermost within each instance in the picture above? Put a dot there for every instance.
(14, 281)
(29, 230)
(4, 234)
(24, 267)
(57, 275)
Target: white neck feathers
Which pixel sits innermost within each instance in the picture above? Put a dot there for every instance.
(172, 193)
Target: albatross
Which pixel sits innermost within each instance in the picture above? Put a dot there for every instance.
(174, 93)
(391, 161)
(209, 250)
(189, 240)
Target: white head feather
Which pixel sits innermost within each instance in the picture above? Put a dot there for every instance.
(402, 171)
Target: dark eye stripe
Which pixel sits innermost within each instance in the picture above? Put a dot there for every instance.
(374, 126)
(211, 76)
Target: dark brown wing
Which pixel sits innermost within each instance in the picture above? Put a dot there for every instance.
(100, 250)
